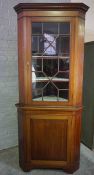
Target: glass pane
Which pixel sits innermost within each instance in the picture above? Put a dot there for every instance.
(64, 65)
(34, 45)
(37, 64)
(49, 44)
(50, 28)
(50, 66)
(38, 76)
(62, 76)
(63, 45)
(63, 94)
(39, 85)
(41, 45)
(62, 85)
(50, 92)
(36, 28)
(36, 93)
(37, 45)
(65, 28)
(50, 61)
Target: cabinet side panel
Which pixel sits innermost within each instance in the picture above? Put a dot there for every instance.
(78, 61)
(76, 125)
(24, 141)
(21, 61)
(21, 128)
(24, 59)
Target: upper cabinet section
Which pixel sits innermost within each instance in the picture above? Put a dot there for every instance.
(50, 54)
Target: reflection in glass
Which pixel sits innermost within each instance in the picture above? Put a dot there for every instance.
(64, 65)
(37, 64)
(50, 66)
(49, 44)
(50, 61)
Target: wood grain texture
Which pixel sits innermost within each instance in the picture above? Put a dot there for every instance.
(53, 14)
(24, 60)
(49, 139)
(49, 132)
(78, 61)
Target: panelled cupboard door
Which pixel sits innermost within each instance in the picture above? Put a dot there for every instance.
(50, 67)
(48, 140)
(55, 132)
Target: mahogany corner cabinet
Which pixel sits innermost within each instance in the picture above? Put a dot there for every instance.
(50, 67)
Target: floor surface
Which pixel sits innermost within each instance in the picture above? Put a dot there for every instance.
(9, 165)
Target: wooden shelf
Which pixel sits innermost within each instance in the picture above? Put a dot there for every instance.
(42, 34)
(50, 98)
(50, 56)
(43, 79)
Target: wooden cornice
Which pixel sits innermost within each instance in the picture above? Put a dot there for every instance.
(51, 6)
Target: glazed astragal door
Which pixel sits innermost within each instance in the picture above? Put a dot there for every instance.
(51, 61)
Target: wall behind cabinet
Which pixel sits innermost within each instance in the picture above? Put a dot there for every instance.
(9, 72)
(89, 25)
(88, 96)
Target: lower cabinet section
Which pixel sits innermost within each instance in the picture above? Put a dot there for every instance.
(49, 138)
